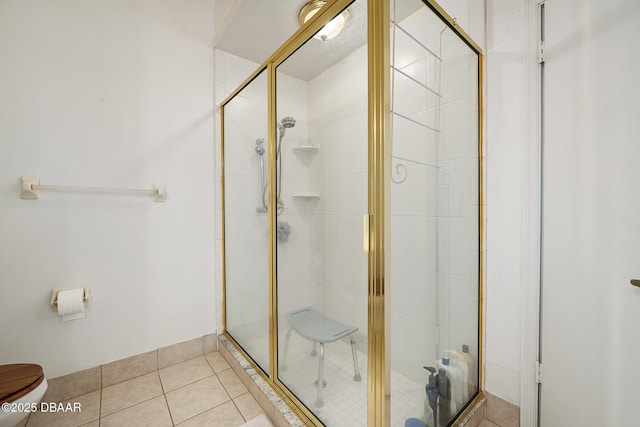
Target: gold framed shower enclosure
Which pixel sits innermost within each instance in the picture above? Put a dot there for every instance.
(377, 219)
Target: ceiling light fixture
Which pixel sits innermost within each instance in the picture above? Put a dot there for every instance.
(333, 27)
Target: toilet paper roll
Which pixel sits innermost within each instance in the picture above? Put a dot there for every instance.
(70, 304)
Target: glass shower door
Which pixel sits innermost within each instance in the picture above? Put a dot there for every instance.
(435, 212)
(321, 105)
(246, 232)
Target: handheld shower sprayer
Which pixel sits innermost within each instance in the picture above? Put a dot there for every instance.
(285, 123)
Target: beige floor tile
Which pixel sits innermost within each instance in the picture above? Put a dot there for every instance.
(95, 423)
(487, 423)
(89, 411)
(23, 422)
(193, 399)
(217, 362)
(232, 383)
(210, 343)
(225, 415)
(184, 373)
(248, 406)
(501, 412)
(77, 384)
(129, 393)
(180, 352)
(152, 413)
(131, 367)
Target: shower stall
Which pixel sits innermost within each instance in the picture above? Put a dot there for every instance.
(352, 217)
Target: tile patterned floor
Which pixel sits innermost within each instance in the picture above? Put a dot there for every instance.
(204, 391)
(345, 400)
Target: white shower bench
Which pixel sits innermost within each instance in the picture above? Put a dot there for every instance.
(320, 329)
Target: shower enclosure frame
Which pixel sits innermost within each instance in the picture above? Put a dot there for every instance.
(379, 206)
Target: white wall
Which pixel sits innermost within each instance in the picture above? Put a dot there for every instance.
(506, 139)
(112, 94)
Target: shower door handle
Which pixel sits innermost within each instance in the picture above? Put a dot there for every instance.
(366, 230)
(635, 282)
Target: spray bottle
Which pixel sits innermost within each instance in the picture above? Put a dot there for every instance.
(444, 398)
(431, 402)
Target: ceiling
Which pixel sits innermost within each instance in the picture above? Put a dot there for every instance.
(254, 29)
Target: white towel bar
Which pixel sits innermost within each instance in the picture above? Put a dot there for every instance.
(30, 188)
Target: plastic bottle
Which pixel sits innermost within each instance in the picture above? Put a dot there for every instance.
(431, 401)
(444, 397)
(471, 364)
(456, 360)
(453, 375)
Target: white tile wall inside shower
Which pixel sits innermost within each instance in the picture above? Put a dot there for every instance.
(338, 124)
(246, 240)
(434, 210)
(229, 72)
(459, 207)
(414, 231)
(293, 255)
(458, 195)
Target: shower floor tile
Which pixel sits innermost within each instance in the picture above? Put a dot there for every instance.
(345, 400)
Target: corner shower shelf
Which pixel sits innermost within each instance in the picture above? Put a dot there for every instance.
(306, 149)
(306, 195)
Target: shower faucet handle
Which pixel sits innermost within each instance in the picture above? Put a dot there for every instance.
(635, 282)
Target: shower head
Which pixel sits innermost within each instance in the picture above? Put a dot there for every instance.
(285, 123)
(288, 122)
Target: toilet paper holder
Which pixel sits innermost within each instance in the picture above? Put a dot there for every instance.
(54, 296)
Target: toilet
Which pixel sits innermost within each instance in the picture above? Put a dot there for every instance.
(21, 385)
